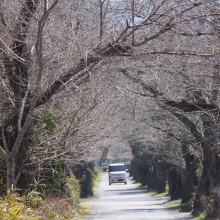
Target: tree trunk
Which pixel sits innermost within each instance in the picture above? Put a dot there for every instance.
(208, 191)
(175, 184)
(83, 172)
(143, 175)
(153, 177)
(131, 173)
(26, 175)
(136, 174)
(18, 160)
(161, 177)
(187, 156)
(190, 180)
(189, 183)
(10, 173)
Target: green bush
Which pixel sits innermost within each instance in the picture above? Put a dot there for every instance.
(47, 119)
(51, 181)
(188, 205)
(32, 199)
(73, 189)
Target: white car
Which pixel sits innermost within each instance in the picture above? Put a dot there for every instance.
(117, 173)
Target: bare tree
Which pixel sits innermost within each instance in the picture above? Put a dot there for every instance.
(40, 36)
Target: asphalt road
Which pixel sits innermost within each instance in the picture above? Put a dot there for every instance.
(119, 201)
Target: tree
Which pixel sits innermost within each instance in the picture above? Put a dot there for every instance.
(207, 147)
(31, 43)
(17, 72)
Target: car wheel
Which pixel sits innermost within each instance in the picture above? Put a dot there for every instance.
(125, 182)
(109, 183)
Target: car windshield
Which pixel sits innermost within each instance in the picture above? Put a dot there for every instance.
(116, 168)
(105, 160)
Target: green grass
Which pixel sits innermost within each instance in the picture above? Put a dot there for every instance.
(174, 202)
(201, 216)
(154, 192)
(139, 186)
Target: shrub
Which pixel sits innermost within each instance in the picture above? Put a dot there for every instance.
(73, 189)
(58, 209)
(32, 199)
(188, 205)
(12, 209)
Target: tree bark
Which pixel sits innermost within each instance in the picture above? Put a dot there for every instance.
(210, 180)
(190, 179)
(10, 173)
(136, 174)
(153, 178)
(161, 177)
(143, 175)
(26, 175)
(175, 184)
(189, 183)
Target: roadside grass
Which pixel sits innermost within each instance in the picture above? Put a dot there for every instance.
(166, 193)
(95, 182)
(151, 191)
(85, 209)
(15, 207)
(154, 193)
(33, 207)
(202, 216)
(96, 178)
(176, 204)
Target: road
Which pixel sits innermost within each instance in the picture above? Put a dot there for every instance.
(119, 201)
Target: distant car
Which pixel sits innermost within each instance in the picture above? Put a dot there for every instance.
(105, 163)
(117, 173)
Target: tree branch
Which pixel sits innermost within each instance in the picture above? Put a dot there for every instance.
(3, 154)
(189, 106)
(38, 48)
(161, 101)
